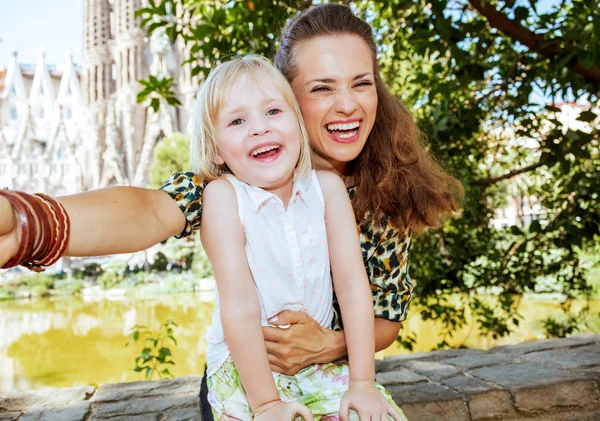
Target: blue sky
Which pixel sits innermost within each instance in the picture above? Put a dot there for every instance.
(57, 25)
(25, 25)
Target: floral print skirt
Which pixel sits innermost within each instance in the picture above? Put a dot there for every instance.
(319, 386)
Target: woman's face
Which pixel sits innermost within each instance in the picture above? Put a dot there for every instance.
(335, 87)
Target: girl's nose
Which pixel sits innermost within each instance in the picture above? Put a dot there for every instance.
(259, 127)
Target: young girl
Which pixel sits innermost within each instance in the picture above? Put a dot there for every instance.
(271, 225)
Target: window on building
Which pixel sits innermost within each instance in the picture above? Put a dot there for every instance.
(13, 113)
(42, 113)
(69, 113)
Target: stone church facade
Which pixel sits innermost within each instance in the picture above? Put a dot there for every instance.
(80, 127)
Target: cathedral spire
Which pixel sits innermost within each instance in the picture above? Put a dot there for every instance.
(97, 73)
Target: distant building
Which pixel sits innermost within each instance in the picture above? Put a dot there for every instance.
(68, 129)
(523, 208)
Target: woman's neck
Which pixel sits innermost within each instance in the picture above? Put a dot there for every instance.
(340, 168)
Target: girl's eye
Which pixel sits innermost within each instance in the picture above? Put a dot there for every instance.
(274, 111)
(236, 122)
(320, 89)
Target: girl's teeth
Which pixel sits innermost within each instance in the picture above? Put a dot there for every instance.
(263, 150)
(347, 126)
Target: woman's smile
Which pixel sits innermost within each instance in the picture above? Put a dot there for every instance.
(344, 131)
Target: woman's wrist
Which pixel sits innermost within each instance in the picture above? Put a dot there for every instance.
(334, 347)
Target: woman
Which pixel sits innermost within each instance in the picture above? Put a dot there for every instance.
(356, 128)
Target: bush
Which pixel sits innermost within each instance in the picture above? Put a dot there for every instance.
(110, 280)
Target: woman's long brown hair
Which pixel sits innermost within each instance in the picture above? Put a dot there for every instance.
(396, 176)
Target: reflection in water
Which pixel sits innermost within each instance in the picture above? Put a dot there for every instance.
(64, 342)
(68, 342)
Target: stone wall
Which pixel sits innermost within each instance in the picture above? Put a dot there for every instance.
(545, 380)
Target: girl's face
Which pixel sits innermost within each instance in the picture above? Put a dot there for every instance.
(258, 134)
(335, 87)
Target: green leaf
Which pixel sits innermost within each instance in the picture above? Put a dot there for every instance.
(587, 116)
(535, 226)
(521, 13)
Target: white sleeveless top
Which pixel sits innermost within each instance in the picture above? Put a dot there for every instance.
(287, 254)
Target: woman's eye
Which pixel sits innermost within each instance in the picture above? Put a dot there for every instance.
(365, 83)
(274, 111)
(236, 122)
(320, 89)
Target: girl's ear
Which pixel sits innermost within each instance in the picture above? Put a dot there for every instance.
(218, 160)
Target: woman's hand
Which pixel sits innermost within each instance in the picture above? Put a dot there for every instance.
(303, 343)
(368, 402)
(282, 411)
(9, 233)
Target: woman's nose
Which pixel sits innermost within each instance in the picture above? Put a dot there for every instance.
(345, 102)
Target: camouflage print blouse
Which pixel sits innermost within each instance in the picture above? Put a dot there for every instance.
(385, 250)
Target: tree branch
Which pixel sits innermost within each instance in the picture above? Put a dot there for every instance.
(530, 39)
(487, 181)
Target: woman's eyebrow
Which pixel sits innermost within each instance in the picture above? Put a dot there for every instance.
(324, 80)
(362, 75)
(329, 80)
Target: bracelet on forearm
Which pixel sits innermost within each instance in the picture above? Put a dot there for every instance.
(45, 229)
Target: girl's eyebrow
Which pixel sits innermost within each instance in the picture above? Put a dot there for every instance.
(329, 80)
(237, 110)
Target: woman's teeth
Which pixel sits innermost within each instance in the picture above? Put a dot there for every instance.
(344, 131)
(263, 150)
(346, 126)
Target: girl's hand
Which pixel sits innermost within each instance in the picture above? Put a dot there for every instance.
(368, 402)
(303, 343)
(282, 411)
(9, 235)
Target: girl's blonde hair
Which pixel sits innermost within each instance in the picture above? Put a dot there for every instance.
(212, 96)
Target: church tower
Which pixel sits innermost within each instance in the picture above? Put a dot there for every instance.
(98, 83)
(128, 53)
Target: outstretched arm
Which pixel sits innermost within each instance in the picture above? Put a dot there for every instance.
(106, 221)
(120, 220)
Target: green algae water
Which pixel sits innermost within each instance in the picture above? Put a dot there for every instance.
(71, 341)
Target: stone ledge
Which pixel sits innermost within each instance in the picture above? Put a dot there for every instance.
(552, 380)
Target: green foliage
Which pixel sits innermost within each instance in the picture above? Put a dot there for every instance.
(156, 89)
(110, 280)
(171, 155)
(556, 328)
(155, 357)
(485, 81)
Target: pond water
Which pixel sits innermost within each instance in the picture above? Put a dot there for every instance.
(65, 342)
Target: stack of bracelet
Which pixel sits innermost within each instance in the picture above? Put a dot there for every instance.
(45, 229)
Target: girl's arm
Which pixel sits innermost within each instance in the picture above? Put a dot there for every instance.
(353, 293)
(106, 221)
(224, 242)
(349, 278)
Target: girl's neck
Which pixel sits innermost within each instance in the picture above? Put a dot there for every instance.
(283, 190)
